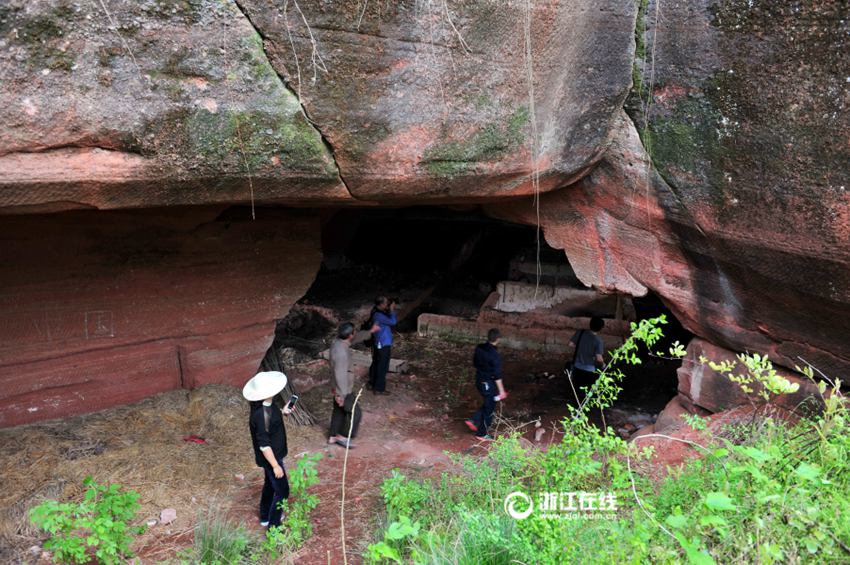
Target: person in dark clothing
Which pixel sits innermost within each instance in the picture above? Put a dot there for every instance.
(488, 381)
(588, 349)
(268, 437)
(383, 319)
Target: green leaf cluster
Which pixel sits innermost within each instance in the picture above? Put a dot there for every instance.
(98, 527)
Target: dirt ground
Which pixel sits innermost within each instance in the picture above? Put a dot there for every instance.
(142, 447)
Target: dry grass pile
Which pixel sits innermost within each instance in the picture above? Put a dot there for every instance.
(139, 446)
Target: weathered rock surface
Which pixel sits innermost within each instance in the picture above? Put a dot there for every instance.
(624, 229)
(425, 100)
(749, 126)
(419, 101)
(104, 308)
(151, 104)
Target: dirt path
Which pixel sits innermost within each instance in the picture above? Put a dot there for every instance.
(397, 432)
(410, 430)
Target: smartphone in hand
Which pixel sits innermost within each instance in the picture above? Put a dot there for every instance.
(293, 400)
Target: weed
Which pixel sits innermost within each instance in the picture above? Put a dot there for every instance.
(98, 525)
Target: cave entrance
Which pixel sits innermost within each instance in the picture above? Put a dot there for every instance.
(434, 260)
(456, 273)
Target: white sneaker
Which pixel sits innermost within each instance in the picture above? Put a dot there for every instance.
(264, 524)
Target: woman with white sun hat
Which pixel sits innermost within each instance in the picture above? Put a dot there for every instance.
(268, 436)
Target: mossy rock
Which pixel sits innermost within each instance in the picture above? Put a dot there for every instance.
(255, 137)
(41, 35)
(490, 143)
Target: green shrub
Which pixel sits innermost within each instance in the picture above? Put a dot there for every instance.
(762, 491)
(296, 526)
(96, 527)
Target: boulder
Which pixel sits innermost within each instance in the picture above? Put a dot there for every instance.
(670, 418)
(705, 388)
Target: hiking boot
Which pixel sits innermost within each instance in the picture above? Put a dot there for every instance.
(487, 437)
(345, 443)
(471, 425)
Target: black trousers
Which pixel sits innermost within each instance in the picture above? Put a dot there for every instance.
(582, 379)
(483, 418)
(379, 367)
(343, 416)
(275, 491)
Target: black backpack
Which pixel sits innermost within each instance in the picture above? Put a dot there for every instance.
(570, 367)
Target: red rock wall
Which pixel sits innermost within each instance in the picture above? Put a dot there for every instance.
(624, 229)
(103, 308)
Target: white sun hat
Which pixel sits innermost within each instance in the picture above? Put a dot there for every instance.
(264, 385)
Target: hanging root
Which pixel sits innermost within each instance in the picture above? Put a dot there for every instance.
(535, 171)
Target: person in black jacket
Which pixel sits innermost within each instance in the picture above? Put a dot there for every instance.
(488, 381)
(268, 437)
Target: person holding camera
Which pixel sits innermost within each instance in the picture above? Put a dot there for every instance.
(345, 416)
(383, 319)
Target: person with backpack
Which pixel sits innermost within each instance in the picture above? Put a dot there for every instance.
(587, 354)
(268, 437)
(488, 381)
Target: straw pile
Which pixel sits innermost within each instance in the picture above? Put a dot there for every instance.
(141, 447)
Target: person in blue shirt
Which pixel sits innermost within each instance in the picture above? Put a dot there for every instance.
(383, 319)
(488, 381)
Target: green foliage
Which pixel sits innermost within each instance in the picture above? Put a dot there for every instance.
(98, 526)
(220, 543)
(759, 376)
(296, 526)
(695, 422)
(606, 388)
(677, 350)
(396, 532)
(765, 491)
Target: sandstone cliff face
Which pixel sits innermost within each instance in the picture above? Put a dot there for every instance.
(430, 100)
(103, 308)
(150, 104)
(155, 103)
(741, 224)
(624, 229)
(749, 127)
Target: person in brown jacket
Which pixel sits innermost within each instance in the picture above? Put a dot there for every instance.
(345, 415)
